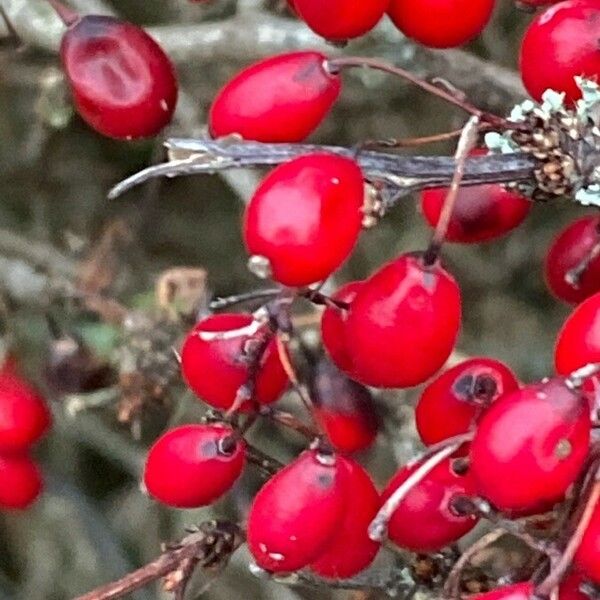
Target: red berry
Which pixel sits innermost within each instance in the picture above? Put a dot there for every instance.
(24, 416)
(571, 249)
(344, 408)
(530, 446)
(587, 559)
(351, 550)
(341, 20)
(441, 23)
(578, 341)
(481, 212)
(20, 481)
(193, 465)
(305, 217)
(216, 369)
(425, 521)
(123, 84)
(403, 323)
(456, 399)
(280, 99)
(560, 44)
(296, 513)
(517, 591)
(333, 327)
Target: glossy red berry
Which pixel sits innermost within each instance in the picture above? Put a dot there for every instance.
(194, 465)
(340, 20)
(560, 44)
(456, 22)
(403, 323)
(24, 415)
(530, 446)
(305, 217)
(517, 591)
(333, 327)
(216, 369)
(587, 559)
(453, 402)
(20, 481)
(426, 521)
(344, 408)
(481, 213)
(297, 512)
(351, 550)
(280, 99)
(572, 274)
(123, 84)
(578, 341)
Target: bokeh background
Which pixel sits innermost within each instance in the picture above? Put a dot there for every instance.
(58, 233)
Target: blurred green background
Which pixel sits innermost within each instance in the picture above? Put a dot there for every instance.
(93, 523)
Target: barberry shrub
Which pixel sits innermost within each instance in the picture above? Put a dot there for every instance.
(353, 423)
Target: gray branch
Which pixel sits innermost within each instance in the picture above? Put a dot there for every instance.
(399, 174)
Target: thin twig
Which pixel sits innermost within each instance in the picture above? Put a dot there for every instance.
(212, 544)
(379, 525)
(560, 568)
(336, 64)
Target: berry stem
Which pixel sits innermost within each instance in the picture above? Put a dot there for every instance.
(559, 570)
(336, 64)
(221, 303)
(573, 276)
(379, 525)
(284, 356)
(466, 142)
(577, 378)
(67, 15)
(290, 421)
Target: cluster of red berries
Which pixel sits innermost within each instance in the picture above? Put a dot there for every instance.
(395, 329)
(124, 85)
(24, 419)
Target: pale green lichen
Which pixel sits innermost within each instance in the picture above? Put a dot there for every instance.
(583, 125)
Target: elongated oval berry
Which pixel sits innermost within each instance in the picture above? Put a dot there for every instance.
(351, 550)
(456, 22)
(425, 521)
(24, 415)
(560, 44)
(344, 408)
(403, 323)
(333, 327)
(20, 481)
(123, 84)
(296, 513)
(578, 341)
(587, 558)
(305, 217)
(517, 591)
(453, 402)
(530, 446)
(194, 465)
(481, 212)
(283, 98)
(216, 369)
(572, 272)
(340, 20)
